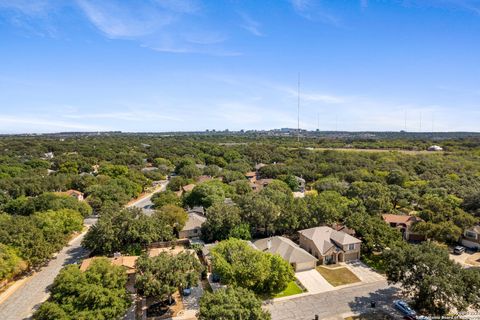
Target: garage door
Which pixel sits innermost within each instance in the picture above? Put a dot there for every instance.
(351, 256)
(305, 266)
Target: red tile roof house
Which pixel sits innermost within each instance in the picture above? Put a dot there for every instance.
(72, 193)
(404, 223)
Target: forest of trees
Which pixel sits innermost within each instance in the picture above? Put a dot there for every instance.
(350, 187)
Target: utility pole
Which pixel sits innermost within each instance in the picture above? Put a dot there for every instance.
(420, 121)
(433, 120)
(298, 109)
(405, 120)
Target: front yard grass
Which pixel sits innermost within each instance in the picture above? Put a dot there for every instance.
(338, 276)
(292, 288)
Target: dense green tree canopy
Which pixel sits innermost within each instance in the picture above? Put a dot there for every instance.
(97, 293)
(238, 264)
(232, 304)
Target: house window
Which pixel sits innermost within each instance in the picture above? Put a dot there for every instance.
(351, 247)
(471, 235)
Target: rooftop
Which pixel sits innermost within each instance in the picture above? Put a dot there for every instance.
(284, 247)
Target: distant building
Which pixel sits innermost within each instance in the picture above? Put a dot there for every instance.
(260, 184)
(471, 238)
(204, 178)
(48, 155)
(404, 223)
(193, 227)
(251, 176)
(72, 193)
(188, 187)
(435, 148)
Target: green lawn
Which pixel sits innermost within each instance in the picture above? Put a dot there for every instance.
(338, 276)
(291, 289)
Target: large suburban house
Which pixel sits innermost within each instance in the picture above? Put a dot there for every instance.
(471, 238)
(404, 223)
(300, 259)
(192, 229)
(329, 245)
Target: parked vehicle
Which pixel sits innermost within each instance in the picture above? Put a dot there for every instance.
(187, 292)
(458, 250)
(404, 308)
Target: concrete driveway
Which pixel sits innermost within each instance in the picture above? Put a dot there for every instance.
(467, 259)
(313, 281)
(364, 272)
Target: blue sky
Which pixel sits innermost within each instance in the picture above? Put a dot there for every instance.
(162, 65)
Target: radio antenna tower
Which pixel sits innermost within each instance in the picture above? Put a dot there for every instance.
(298, 109)
(420, 121)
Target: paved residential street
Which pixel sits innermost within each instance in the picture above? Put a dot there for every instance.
(23, 301)
(332, 304)
(145, 203)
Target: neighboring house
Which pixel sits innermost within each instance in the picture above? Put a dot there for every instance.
(471, 238)
(204, 178)
(342, 228)
(435, 148)
(48, 155)
(300, 259)
(192, 228)
(188, 187)
(251, 176)
(259, 166)
(128, 262)
(72, 193)
(260, 184)
(404, 223)
(330, 246)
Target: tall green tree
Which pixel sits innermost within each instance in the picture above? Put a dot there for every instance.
(433, 281)
(231, 304)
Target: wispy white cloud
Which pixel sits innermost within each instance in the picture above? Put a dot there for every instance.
(249, 24)
(28, 7)
(42, 124)
(301, 5)
(315, 11)
(123, 21)
(182, 6)
(138, 115)
(311, 96)
(468, 5)
(159, 25)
